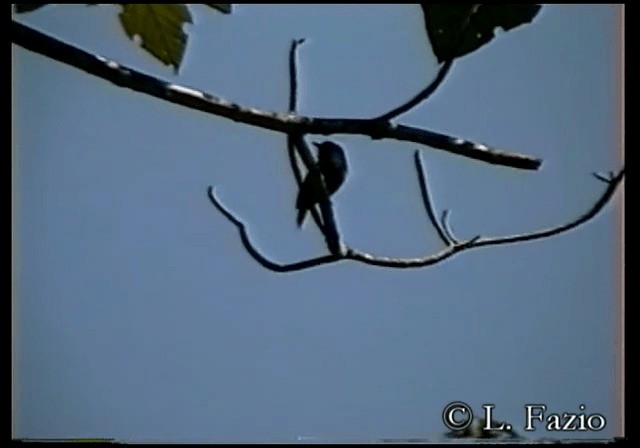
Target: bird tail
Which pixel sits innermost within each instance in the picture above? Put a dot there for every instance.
(302, 213)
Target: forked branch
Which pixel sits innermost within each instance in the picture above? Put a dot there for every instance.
(326, 224)
(296, 126)
(452, 245)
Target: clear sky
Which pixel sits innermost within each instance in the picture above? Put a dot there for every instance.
(138, 315)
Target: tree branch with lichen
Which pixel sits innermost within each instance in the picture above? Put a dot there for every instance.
(287, 123)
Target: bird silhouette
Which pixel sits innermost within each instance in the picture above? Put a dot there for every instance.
(332, 164)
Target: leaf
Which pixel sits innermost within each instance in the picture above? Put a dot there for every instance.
(456, 30)
(21, 8)
(159, 28)
(222, 7)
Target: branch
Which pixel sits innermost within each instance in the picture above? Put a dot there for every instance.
(603, 178)
(420, 97)
(296, 127)
(327, 224)
(329, 229)
(444, 222)
(420, 262)
(350, 254)
(612, 186)
(244, 236)
(443, 232)
(442, 73)
(127, 77)
(293, 75)
(293, 100)
(291, 148)
(452, 246)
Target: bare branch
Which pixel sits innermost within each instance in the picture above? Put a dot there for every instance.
(462, 147)
(433, 86)
(127, 77)
(291, 267)
(589, 214)
(389, 262)
(606, 179)
(293, 100)
(452, 245)
(291, 138)
(421, 96)
(444, 222)
(293, 161)
(349, 254)
(327, 224)
(478, 241)
(426, 200)
(293, 74)
(297, 126)
(450, 250)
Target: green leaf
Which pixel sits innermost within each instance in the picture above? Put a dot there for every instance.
(456, 30)
(20, 8)
(159, 28)
(222, 7)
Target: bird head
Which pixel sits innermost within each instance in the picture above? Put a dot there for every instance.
(331, 156)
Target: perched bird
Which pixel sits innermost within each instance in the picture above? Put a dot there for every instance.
(332, 164)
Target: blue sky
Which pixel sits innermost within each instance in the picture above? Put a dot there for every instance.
(139, 316)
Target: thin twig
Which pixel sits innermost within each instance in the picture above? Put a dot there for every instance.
(589, 214)
(426, 199)
(444, 223)
(327, 224)
(292, 138)
(421, 96)
(293, 74)
(293, 99)
(426, 93)
(127, 77)
(604, 178)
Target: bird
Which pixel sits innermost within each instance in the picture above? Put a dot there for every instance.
(332, 164)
